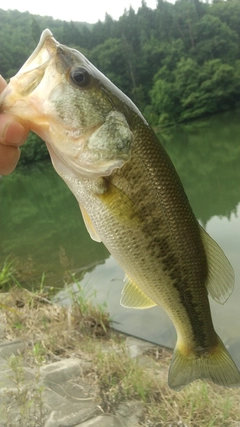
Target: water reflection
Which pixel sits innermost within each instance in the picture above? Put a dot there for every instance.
(206, 155)
(40, 217)
(226, 231)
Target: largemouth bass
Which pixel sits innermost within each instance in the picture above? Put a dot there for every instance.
(131, 199)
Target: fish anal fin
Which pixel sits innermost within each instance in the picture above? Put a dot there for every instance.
(133, 297)
(89, 225)
(216, 366)
(220, 282)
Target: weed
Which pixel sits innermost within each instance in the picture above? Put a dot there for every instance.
(23, 405)
(39, 353)
(197, 405)
(92, 319)
(65, 263)
(7, 272)
(55, 332)
(120, 378)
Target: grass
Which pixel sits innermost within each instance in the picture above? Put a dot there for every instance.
(7, 273)
(198, 405)
(54, 332)
(22, 404)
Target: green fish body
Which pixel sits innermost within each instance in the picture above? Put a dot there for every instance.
(131, 199)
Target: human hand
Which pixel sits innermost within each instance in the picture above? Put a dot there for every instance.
(13, 134)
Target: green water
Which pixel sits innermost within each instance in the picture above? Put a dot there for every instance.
(41, 224)
(40, 220)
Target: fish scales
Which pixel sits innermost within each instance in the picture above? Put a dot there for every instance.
(154, 234)
(131, 199)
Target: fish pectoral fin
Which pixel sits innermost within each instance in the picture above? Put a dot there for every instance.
(220, 280)
(89, 225)
(133, 297)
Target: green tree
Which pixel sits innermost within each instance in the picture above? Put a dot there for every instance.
(36, 31)
(228, 12)
(109, 58)
(182, 58)
(214, 39)
(193, 90)
(33, 150)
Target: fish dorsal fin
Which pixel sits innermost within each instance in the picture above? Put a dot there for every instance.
(89, 225)
(133, 297)
(220, 282)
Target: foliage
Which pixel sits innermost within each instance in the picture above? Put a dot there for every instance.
(7, 274)
(33, 150)
(89, 316)
(121, 378)
(192, 90)
(176, 62)
(29, 400)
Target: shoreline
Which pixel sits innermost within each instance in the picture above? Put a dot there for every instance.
(66, 367)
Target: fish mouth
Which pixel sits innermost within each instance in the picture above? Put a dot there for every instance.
(31, 73)
(42, 54)
(46, 34)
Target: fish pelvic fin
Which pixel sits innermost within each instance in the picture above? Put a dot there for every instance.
(89, 225)
(216, 366)
(133, 297)
(221, 278)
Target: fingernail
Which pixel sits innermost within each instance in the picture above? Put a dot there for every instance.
(4, 130)
(14, 133)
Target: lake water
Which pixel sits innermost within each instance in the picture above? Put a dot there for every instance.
(41, 227)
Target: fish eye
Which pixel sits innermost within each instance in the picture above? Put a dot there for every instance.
(80, 76)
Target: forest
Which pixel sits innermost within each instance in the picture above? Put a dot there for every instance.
(177, 62)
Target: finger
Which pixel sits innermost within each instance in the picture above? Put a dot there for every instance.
(12, 132)
(3, 83)
(9, 157)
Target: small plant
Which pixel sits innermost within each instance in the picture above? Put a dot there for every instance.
(39, 353)
(26, 397)
(7, 272)
(91, 318)
(66, 263)
(16, 364)
(120, 378)
(82, 329)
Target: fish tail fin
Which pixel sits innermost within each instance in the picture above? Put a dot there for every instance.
(216, 366)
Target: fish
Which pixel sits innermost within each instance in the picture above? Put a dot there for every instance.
(131, 199)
